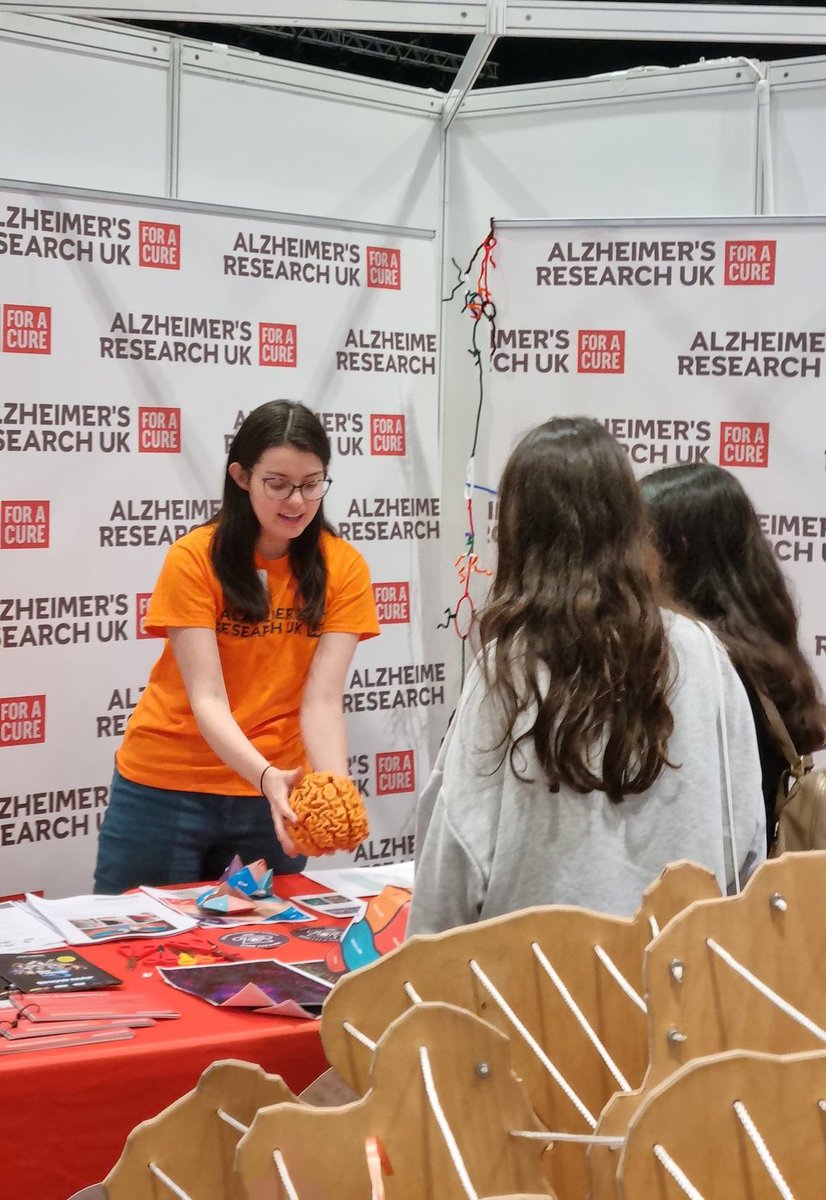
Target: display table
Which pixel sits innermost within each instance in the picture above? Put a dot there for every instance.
(67, 1113)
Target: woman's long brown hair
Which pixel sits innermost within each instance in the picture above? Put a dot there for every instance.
(720, 566)
(572, 633)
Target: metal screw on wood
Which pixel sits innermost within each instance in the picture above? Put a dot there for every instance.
(677, 969)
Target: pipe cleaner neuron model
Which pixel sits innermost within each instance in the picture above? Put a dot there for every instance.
(479, 304)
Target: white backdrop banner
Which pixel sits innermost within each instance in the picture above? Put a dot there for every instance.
(135, 339)
(692, 342)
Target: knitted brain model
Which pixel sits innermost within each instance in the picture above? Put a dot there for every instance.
(330, 814)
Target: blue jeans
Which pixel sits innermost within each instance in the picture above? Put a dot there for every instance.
(156, 837)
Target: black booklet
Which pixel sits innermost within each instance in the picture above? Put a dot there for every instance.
(61, 970)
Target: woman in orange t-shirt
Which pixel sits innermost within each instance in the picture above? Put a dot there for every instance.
(262, 610)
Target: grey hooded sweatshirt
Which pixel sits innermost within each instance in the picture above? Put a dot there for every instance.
(489, 843)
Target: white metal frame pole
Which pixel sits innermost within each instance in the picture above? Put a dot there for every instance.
(589, 19)
(474, 60)
(639, 22)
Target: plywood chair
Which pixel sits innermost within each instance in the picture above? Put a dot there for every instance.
(563, 983)
(192, 1143)
(751, 1126)
(439, 1116)
(677, 886)
(700, 997)
(711, 976)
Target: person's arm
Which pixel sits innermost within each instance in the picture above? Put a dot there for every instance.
(448, 887)
(323, 729)
(456, 818)
(196, 653)
(430, 792)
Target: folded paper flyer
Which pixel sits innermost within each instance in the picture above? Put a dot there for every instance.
(87, 920)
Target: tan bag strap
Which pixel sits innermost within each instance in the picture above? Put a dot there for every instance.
(798, 763)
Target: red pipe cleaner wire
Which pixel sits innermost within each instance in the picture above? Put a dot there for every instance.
(482, 297)
(466, 597)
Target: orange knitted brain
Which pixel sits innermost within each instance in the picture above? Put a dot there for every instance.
(330, 814)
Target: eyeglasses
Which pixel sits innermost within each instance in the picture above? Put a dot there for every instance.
(282, 489)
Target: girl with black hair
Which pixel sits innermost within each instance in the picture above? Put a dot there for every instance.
(718, 565)
(262, 609)
(586, 752)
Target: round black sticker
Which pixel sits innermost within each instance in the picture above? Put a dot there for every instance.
(308, 933)
(253, 940)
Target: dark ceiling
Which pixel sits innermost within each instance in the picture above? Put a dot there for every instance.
(395, 57)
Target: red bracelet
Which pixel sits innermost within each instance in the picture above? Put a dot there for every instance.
(261, 780)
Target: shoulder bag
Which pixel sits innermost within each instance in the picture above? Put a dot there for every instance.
(800, 805)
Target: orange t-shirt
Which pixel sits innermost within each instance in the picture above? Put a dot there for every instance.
(264, 666)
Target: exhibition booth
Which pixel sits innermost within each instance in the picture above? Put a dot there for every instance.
(188, 230)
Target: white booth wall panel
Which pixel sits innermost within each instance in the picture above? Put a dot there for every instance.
(798, 127)
(646, 158)
(77, 113)
(690, 151)
(262, 146)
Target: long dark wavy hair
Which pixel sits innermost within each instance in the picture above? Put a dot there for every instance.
(276, 423)
(719, 565)
(572, 627)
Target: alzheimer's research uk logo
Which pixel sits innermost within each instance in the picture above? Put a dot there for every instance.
(750, 264)
(24, 524)
(600, 351)
(387, 433)
(392, 603)
(22, 720)
(277, 345)
(395, 772)
(159, 430)
(159, 245)
(384, 267)
(27, 329)
(744, 443)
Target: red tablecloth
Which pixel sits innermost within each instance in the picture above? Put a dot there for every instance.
(66, 1113)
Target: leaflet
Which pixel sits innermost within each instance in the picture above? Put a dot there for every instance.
(124, 1008)
(57, 1042)
(355, 882)
(263, 985)
(22, 931)
(87, 920)
(61, 970)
